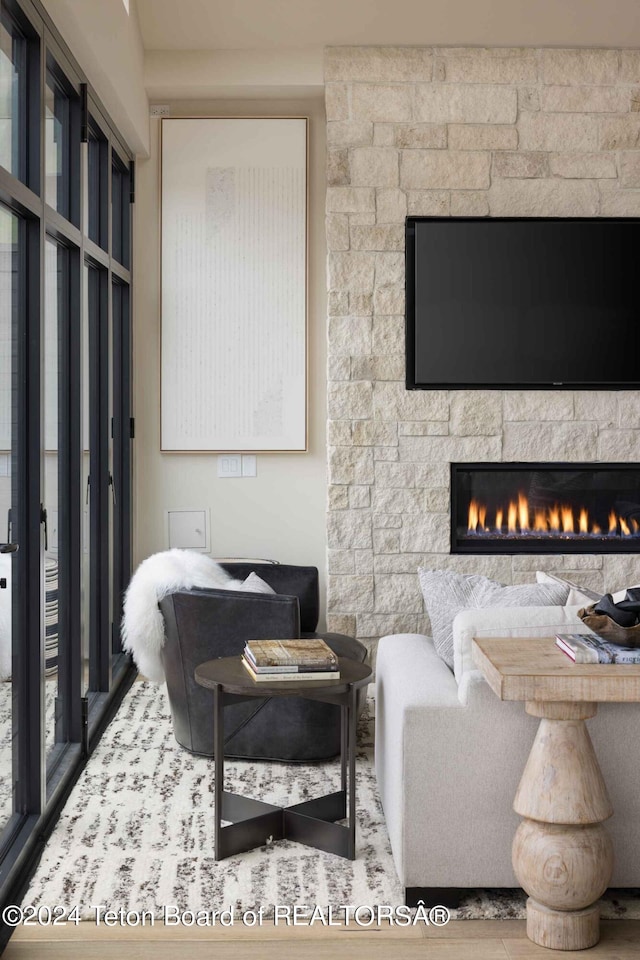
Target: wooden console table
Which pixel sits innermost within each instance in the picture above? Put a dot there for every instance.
(562, 853)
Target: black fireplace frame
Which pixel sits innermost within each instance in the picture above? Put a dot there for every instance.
(508, 547)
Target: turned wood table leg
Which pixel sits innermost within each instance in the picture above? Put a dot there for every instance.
(562, 854)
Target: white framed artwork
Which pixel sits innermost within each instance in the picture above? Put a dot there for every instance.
(234, 284)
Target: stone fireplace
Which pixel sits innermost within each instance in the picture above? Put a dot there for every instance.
(455, 132)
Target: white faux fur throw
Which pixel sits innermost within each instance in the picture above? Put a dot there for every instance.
(157, 576)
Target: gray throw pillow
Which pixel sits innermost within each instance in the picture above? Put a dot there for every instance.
(446, 594)
(255, 584)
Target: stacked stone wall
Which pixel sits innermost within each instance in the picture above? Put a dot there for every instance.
(454, 132)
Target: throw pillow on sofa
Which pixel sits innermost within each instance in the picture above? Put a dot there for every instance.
(447, 593)
(578, 595)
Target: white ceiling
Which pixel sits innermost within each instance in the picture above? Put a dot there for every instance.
(270, 24)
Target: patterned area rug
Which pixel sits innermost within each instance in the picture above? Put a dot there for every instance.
(6, 739)
(137, 833)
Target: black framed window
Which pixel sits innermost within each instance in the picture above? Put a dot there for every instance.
(11, 457)
(13, 99)
(62, 144)
(121, 211)
(121, 453)
(65, 447)
(96, 209)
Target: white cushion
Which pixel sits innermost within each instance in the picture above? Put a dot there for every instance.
(508, 622)
(577, 594)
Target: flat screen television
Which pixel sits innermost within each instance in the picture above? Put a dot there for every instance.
(522, 303)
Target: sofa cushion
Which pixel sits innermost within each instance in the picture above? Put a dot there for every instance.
(578, 595)
(447, 593)
(512, 622)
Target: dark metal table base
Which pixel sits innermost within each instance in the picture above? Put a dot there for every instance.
(312, 822)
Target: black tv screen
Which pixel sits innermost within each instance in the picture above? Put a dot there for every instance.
(529, 303)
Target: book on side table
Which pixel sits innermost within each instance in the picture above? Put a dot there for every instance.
(589, 648)
(269, 660)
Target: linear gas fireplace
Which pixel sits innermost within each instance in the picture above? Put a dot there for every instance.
(545, 508)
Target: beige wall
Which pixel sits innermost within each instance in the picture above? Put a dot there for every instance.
(281, 513)
(106, 42)
(236, 74)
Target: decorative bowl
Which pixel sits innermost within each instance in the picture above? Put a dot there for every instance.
(608, 629)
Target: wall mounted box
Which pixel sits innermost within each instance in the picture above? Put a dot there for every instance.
(188, 530)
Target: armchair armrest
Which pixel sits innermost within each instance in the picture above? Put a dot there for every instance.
(202, 625)
(508, 622)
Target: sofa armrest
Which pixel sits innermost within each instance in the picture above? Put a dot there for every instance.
(410, 672)
(508, 622)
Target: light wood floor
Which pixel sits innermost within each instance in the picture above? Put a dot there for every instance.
(460, 940)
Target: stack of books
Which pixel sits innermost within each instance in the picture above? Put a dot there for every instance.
(589, 648)
(269, 660)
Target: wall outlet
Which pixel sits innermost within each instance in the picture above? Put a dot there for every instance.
(159, 110)
(230, 465)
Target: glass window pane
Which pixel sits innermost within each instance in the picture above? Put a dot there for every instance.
(56, 147)
(121, 214)
(9, 493)
(56, 639)
(121, 452)
(62, 150)
(13, 118)
(88, 278)
(96, 205)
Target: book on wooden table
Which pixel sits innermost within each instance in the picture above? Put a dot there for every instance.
(589, 648)
(295, 656)
(289, 675)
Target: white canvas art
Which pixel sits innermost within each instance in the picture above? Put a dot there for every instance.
(234, 234)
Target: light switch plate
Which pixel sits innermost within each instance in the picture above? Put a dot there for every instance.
(229, 465)
(188, 529)
(249, 465)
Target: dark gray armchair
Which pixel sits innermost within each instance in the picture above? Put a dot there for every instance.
(204, 624)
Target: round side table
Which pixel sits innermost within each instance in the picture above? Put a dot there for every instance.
(252, 822)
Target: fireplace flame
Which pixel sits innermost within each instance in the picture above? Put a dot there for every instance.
(558, 520)
(523, 512)
(473, 516)
(567, 519)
